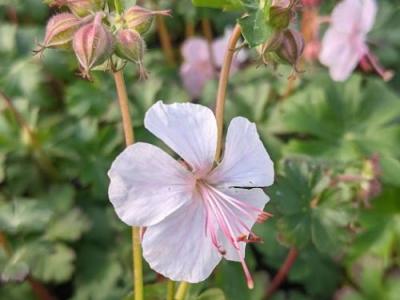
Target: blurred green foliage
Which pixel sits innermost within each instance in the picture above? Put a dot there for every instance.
(58, 227)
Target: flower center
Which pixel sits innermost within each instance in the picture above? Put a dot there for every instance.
(228, 222)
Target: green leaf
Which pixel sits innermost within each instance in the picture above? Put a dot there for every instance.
(24, 216)
(53, 264)
(341, 121)
(254, 28)
(212, 294)
(69, 227)
(222, 4)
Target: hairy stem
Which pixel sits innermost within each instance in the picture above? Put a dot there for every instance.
(182, 291)
(223, 83)
(283, 271)
(129, 139)
(170, 290)
(118, 6)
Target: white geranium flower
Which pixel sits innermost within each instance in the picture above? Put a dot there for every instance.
(195, 213)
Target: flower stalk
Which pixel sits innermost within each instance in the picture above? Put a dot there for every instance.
(129, 139)
(170, 290)
(223, 83)
(182, 291)
(282, 272)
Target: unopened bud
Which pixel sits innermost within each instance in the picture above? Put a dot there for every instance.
(93, 44)
(81, 8)
(140, 19)
(131, 46)
(282, 12)
(292, 47)
(60, 30)
(284, 47)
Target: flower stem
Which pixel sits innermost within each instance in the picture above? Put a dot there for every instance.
(223, 83)
(118, 6)
(170, 290)
(207, 31)
(182, 291)
(165, 39)
(189, 29)
(129, 139)
(283, 271)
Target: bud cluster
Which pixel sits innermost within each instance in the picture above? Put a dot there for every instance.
(95, 36)
(286, 44)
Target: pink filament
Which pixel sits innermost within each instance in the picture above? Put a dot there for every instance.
(230, 213)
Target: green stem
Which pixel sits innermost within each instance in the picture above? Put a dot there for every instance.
(170, 290)
(182, 291)
(118, 6)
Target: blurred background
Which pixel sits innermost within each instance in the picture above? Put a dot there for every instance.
(336, 146)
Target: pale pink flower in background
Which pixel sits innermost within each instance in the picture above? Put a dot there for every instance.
(195, 213)
(344, 43)
(198, 68)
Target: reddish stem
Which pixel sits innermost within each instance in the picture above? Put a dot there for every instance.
(283, 271)
(39, 289)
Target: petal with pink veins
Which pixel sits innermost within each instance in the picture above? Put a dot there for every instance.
(188, 129)
(147, 185)
(178, 247)
(252, 203)
(246, 162)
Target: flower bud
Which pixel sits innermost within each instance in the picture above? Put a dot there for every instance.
(282, 12)
(131, 46)
(81, 8)
(140, 19)
(284, 47)
(292, 47)
(93, 44)
(60, 30)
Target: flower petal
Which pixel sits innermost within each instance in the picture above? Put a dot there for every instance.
(368, 15)
(246, 162)
(194, 77)
(195, 49)
(188, 129)
(147, 185)
(254, 198)
(178, 247)
(341, 54)
(346, 15)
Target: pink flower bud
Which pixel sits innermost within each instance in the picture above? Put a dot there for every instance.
(81, 8)
(140, 19)
(131, 46)
(60, 30)
(93, 44)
